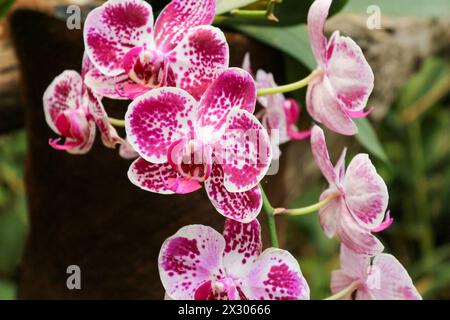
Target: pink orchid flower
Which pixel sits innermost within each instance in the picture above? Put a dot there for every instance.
(382, 279)
(132, 56)
(73, 111)
(345, 80)
(198, 263)
(360, 200)
(279, 113)
(182, 142)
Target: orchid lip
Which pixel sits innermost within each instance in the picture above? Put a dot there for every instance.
(148, 69)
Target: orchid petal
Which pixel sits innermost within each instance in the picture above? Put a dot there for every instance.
(349, 73)
(354, 236)
(109, 135)
(178, 17)
(247, 152)
(242, 246)
(353, 263)
(233, 89)
(246, 64)
(340, 280)
(275, 275)
(365, 192)
(390, 280)
(190, 258)
(321, 156)
(106, 86)
(157, 178)
(64, 93)
(126, 151)
(112, 29)
(317, 15)
(240, 206)
(199, 58)
(329, 213)
(157, 119)
(385, 224)
(324, 107)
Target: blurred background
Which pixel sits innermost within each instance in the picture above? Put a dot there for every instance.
(407, 42)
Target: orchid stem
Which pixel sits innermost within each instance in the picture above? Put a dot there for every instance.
(117, 122)
(306, 210)
(345, 292)
(270, 219)
(289, 87)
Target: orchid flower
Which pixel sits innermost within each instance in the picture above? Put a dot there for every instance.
(132, 56)
(279, 113)
(382, 279)
(182, 142)
(198, 263)
(345, 79)
(358, 198)
(72, 110)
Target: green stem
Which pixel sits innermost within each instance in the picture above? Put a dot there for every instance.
(117, 122)
(248, 13)
(345, 292)
(306, 210)
(290, 87)
(270, 219)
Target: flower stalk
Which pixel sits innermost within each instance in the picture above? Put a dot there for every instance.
(116, 122)
(306, 210)
(291, 86)
(270, 212)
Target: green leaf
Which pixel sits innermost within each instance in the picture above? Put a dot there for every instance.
(369, 139)
(224, 6)
(418, 8)
(4, 6)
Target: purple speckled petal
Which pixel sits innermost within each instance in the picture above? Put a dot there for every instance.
(242, 246)
(275, 275)
(233, 89)
(246, 151)
(178, 17)
(126, 151)
(354, 236)
(199, 58)
(110, 137)
(317, 15)
(159, 178)
(365, 192)
(62, 94)
(324, 107)
(321, 156)
(157, 119)
(239, 206)
(114, 28)
(350, 74)
(388, 280)
(190, 258)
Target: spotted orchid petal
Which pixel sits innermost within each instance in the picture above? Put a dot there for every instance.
(240, 206)
(317, 16)
(178, 17)
(242, 246)
(275, 275)
(324, 107)
(388, 280)
(354, 236)
(349, 73)
(365, 192)
(114, 28)
(246, 152)
(126, 151)
(321, 156)
(157, 119)
(67, 115)
(199, 58)
(189, 259)
(233, 89)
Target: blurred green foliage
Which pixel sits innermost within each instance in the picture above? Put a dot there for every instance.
(13, 216)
